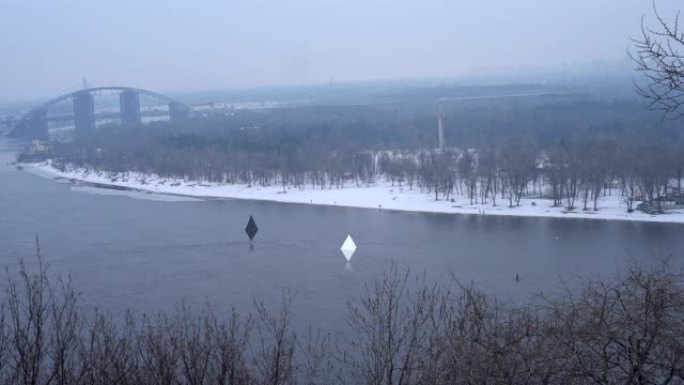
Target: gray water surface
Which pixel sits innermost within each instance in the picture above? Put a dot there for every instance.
(123, 250)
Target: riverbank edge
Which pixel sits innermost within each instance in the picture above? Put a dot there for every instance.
(383, 197)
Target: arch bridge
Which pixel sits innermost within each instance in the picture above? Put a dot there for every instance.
(34, 124)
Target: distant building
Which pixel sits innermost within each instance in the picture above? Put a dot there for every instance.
(38, 147)
(36, 152)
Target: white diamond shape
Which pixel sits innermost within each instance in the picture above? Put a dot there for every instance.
(348, 247)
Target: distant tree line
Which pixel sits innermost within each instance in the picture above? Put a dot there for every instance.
(337, 146)
(403, 331)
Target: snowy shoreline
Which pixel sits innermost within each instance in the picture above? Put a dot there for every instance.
(380, 195)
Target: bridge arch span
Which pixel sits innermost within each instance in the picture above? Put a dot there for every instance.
(34, 123)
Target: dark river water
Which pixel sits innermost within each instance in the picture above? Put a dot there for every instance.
(134, 250)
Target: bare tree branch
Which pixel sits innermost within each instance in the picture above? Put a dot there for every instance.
(659, 57)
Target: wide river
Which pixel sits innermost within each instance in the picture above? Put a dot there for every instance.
(149, 252)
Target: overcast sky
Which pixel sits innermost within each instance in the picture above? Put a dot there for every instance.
(48, 46)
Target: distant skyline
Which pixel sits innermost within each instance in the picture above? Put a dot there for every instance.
(48, 47)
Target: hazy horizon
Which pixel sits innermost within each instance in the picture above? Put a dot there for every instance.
(185, 47)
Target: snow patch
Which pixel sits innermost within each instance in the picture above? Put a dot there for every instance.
(380, 195)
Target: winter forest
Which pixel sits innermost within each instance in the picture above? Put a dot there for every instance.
(571, 150)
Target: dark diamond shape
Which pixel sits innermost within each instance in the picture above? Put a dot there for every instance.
(251, 228)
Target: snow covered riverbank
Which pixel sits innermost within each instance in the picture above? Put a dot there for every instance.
(381, 195)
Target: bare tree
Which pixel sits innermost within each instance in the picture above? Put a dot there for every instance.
(194, 344)
(624, 332)
(4, 341)
(274, 359)
(390, 331)
(229, 363)
(317, 366)
(109, 352)
(659, 55)
(64, 334)
(466, 170)
(28, 306)
(158, 352)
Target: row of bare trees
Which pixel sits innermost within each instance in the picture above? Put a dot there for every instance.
(403, 331)
(305, 166)
(570, 173)
(623, 332)
(46, 337)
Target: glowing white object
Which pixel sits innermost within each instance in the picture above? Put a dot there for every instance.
(348, 247)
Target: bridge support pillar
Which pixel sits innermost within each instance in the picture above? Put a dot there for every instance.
(129, 103)
(178, 112)
(84, 112)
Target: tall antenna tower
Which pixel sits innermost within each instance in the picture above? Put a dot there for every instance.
(440, 128)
